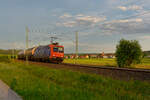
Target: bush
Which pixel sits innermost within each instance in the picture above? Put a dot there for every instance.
(128, 52)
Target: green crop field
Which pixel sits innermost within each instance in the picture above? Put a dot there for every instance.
(107, 62)
(34, 82)
(103, 62)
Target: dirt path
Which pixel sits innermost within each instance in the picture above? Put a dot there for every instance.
(6, 93)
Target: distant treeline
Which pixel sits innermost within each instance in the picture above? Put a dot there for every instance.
(9, 51)
(146, 53)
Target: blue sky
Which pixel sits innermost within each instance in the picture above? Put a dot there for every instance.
(100, 23)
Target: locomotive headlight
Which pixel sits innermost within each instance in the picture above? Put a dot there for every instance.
(54, 55)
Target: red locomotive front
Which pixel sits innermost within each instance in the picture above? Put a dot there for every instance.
(57, 53)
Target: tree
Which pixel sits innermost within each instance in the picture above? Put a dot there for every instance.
(128, 52)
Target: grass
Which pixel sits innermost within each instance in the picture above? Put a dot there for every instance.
(34, 82)
(4, 58)
(103, 62)
(145, 64)
(107, 62)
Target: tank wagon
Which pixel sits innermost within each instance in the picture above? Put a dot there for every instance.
(48, 53)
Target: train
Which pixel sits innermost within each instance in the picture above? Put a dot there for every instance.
(47, 53)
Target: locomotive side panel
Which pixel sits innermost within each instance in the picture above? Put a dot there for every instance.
(42, 53)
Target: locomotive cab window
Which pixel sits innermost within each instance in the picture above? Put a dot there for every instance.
(58, 49)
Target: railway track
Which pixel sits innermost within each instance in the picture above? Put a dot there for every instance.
(118, 73)
(113, 72)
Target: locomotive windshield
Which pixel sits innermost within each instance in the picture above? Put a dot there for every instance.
(58, 49)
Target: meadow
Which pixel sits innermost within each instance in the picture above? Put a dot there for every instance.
(145, 63)
(35, 82)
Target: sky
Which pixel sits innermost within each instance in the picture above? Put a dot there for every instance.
(99, 23)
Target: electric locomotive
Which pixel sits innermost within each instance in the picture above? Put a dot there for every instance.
(48, 53)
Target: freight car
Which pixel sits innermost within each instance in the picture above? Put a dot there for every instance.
(48, 53)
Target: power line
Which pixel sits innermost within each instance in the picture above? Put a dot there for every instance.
(52, 39)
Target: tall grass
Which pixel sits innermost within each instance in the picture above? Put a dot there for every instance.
(35, 82)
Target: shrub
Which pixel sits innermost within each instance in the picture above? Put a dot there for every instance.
(128, 52)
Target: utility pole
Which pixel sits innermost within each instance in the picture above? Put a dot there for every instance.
(13, 51)
(76, 44)
(27, 41)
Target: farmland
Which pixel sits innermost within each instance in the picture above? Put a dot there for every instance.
(36, 82)
(107, 62)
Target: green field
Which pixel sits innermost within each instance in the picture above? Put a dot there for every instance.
(106, 62)
(34, 82)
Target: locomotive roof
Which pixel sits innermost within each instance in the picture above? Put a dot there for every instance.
(43, 46)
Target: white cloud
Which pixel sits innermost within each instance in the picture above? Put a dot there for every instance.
(127, 26)
(79, 15)
(122, 8)
(91, 19)
(80, 20)
(133, 7)
(127, 20)
(66, 15)
(70, 24)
